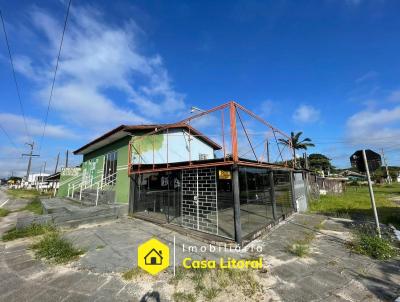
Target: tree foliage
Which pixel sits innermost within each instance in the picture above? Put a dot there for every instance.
(317, 161)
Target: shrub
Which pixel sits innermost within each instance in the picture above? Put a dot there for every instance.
(373, 246)
(56, 249)
(30, 231)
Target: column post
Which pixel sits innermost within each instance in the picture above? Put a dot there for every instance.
(272, 194)
(236, 203)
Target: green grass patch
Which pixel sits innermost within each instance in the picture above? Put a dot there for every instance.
(211, 293)
(23, 193)
(207, 285)
(35, 206)
(183, 297)
(133, 274)
(4, 212)
(373, 246)
(180, 273)
(299, 250)
(301, 247)
(355, 203)
(30, 231)
(56, 249)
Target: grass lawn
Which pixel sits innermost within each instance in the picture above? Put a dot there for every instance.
(24, 193)
(355, 203)
(30, 231)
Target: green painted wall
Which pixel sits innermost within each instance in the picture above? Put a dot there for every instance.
(122, 184)
(67, 174)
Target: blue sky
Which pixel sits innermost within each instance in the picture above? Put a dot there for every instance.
(328, 68)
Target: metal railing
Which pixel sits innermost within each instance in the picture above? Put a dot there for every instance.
(100, 183)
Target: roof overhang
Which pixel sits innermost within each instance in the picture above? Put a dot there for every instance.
(124, 130)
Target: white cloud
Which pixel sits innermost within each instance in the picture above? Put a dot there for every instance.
(14, 125)
(266, 108)
(98, 57)
(306, 114)
(394, 96)
(366, 77)
(374, 128)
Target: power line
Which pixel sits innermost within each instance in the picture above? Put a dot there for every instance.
(13, 72)
(9, 137)
(54, 77)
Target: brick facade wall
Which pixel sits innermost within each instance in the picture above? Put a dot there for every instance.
(200, 183)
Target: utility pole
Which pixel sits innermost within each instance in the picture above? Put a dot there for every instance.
(388, 178)
(58, 158)
(30, 155)
(371, 193)
(66, 159)
(268, 151)
(44, 168)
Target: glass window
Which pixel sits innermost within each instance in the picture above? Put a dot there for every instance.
(283, 192)
(226, 222)
(110, 168)
(160, 196)
(255, 199)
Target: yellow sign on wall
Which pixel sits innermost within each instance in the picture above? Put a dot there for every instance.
(153, 256)
(224, 174)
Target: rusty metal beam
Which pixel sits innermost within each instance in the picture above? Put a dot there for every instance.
(193, 166)
(261, 120)
(215, 164)
(247, 136)
(232, 112)
(223, 132)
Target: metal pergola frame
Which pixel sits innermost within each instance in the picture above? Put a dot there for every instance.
(234, 159)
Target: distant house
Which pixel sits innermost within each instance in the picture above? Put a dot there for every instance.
(352, 175)
(153, 258)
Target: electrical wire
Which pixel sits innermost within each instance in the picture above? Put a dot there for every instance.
(14, 74)
(8, 136)
(54, 77)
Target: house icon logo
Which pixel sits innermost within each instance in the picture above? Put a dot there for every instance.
(153, 256)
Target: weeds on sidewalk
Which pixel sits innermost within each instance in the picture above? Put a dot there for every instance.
(26, 194)
(301, 248)
(133, 274)
(55, 248)
(183, 297)
(29, 231)
(366, 242)
(207, 285)
(35, 206)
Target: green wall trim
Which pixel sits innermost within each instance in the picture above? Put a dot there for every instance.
(122, 182)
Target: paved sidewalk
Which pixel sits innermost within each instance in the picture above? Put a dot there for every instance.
(329, 273)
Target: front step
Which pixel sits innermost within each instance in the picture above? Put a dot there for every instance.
(64, 212)
(89, 196)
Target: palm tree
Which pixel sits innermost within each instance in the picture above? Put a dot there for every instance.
(296, 143)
